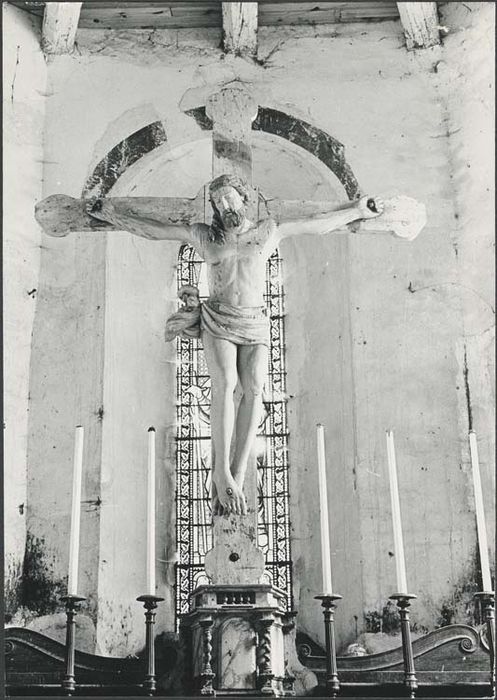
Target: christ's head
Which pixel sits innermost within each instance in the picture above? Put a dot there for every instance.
(229, 197)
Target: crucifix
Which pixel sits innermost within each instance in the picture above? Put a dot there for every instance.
(245, 230)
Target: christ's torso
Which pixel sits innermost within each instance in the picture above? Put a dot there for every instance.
(236, 269)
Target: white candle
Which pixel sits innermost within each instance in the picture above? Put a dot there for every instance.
(323, 502)
(400, 563)
(72, 583)
(151, 513)
(480, 514)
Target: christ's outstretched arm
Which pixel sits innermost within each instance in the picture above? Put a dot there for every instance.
(337, 219)
(139, 225)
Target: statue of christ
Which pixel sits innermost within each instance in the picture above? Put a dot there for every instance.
(232, 321)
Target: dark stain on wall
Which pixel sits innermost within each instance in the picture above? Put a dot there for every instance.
(316, 141)
(41, 590)
(460, 606)
(122, 156)
(12, 590)
(386, 620)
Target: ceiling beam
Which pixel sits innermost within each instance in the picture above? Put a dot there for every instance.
(420, 22)
(60, 22)
(240, 28)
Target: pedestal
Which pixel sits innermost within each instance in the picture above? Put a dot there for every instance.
(234, 638)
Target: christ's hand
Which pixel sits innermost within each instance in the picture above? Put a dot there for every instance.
(369, 207)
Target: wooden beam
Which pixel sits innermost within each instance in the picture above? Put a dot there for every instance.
(240, 28)
(60, 22)
(420, 22)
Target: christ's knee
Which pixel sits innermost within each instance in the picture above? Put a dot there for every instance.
(253, 387)
(225, 384)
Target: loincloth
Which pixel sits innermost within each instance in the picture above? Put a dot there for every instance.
(242, 325)
(185, 323)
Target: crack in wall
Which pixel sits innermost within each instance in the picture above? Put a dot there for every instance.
(264, 62)
(15, 75)
(467, 390)
(434, 287)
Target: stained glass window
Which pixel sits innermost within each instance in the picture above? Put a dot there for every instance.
(193, 456)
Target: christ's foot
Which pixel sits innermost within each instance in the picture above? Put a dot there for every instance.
(228, 494)
(238, 475)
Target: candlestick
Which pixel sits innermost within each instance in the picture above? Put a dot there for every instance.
(400, 564)
(328, 603)
(324, 521)
(72, 583)
(69, 680)
(403, 602)
(480, 514)
(150, 604)
(151, 514)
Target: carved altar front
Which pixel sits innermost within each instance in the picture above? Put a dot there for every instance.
(234, 636)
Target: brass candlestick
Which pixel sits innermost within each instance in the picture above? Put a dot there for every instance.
(150, 603)
(328, 603)
(69, 681)
(403, 602)
(487, 599)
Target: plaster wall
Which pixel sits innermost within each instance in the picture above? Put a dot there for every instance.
(469, 53)
(370, 345)
(24, 79)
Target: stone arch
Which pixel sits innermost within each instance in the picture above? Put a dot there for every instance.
(319, 143)
(124, 154)
(315, 141)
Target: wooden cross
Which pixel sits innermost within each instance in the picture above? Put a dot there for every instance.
(232, 110)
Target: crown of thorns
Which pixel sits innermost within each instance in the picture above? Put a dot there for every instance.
(230, 181)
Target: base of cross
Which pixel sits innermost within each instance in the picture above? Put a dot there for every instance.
(234, 639)
(235, 557)
(234, 633)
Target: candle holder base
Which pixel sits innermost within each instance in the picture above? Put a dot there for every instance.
(487, 600)
(403, 601)
(402, 596)
(150, 603)
(328, 603)
(71, 602)
(149, 600)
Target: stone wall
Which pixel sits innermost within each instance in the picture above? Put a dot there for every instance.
(376, 327)
(24, 80)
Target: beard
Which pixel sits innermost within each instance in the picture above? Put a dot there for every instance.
(232, 218)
